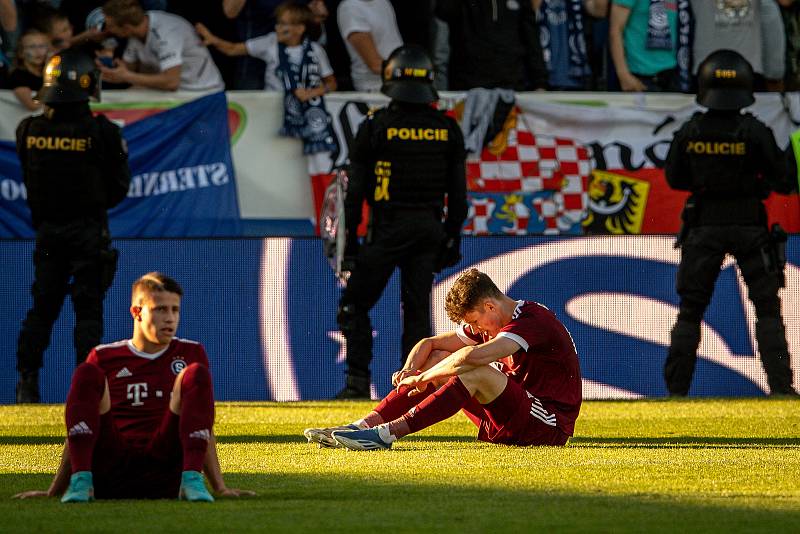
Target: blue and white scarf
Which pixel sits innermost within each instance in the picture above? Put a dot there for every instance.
(578, 61)
(659, 37)
(308, 120)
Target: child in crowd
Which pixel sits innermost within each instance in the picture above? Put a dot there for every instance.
(26, 78)
(296, 65)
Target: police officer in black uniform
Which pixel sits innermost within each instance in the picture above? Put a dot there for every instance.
(730, 162)
(75, 167)
(407, 160)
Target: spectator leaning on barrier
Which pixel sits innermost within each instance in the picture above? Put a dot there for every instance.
(561, 29)
(730, 162)
(26, 79)
(643, 41)
(295, 65)
(370, 33)
(75, 167)
(405, 160)
(163, 51)
(493, 43)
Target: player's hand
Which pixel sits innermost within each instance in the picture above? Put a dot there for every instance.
(31, 494)
(398, 376)
(417, 384)
(235, 492)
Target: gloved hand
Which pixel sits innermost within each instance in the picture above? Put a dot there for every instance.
(449, 252)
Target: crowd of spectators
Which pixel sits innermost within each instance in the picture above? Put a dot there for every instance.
(599, 45)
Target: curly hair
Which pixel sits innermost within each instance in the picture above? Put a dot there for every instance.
(467, 292)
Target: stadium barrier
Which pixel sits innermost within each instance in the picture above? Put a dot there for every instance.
(266, 311)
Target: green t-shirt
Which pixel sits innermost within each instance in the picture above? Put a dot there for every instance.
(640, 59)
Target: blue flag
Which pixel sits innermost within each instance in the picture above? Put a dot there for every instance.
(182, 178)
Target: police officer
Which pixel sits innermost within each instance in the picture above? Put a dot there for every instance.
(730, 163)
(407, 160)
(75, 167)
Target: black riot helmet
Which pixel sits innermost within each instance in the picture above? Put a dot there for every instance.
(408, 76)
(725, 81)
(70, 76)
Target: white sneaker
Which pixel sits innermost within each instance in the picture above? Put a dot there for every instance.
(323, 436)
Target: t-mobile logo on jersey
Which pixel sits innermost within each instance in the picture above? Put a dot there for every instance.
(137, 392)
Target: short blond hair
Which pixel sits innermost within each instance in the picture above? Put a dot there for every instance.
(470, 289)
(153, 282)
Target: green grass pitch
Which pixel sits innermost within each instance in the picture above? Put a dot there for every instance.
(719, 465)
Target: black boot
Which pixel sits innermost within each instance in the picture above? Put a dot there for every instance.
(356, 387)
(28, 388)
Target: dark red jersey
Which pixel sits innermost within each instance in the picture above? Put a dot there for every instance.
(546, 365)
(140, 384)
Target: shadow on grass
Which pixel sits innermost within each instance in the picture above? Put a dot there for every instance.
(683, 442)
(299, 502)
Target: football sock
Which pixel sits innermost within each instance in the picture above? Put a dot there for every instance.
(438, 406)
(82, 414)
(197, 415)
(395, 404)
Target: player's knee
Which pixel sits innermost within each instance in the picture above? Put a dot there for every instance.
(196, 375)
(87, 379)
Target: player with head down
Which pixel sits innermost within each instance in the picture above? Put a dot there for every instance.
(511, 366)
(139, 412)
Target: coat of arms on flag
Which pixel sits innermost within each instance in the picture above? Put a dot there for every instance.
(526, 183)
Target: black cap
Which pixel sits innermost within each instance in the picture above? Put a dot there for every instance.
(70, 76)
(725, 81)
(408, 76)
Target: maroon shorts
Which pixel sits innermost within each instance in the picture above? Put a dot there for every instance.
(516, 417)
(140, 467)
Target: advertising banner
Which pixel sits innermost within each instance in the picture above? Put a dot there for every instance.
(266, 311)
(183, 182)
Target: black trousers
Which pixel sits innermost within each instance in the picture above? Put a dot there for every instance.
(70, 258)
(411, 240)
(703, 251)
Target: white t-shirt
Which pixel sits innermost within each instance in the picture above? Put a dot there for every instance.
(265, 48)
(171, 41)
(370, 16)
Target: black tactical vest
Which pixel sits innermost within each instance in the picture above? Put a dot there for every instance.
(61, 163)
(413, 153)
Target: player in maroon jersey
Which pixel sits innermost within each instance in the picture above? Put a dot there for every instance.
(140, 412)
(512, 367)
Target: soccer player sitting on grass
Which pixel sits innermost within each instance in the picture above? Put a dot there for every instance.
(140, 412)
(511, 366)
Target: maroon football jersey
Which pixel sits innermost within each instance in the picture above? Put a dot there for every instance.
(546, 365)
(140, 384)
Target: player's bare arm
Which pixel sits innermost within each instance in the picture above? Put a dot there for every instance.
(427, 353)
(463, 360)
(213, 473)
